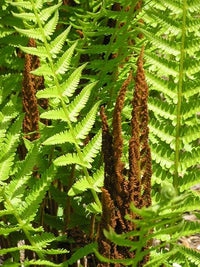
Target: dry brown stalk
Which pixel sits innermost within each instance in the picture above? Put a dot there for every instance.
(31, 84)
(30, 123)
(139, 151)
(118, 193)
(114, 192)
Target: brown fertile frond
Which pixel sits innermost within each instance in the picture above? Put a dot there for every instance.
(119, 189)
(117, 132)
(108, 219)
(108, 210)
(107, 149)
(139, 151)
(31, 84)
(30, 123)
(115, 195)
(118, 193)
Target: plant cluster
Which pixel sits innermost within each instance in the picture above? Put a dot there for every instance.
(99, 132)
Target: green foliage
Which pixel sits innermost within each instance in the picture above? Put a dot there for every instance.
(171, 31)
(166, 218)
(86, 49)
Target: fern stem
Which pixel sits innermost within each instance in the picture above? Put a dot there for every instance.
(180, 85)
(23, 227)
(95, 196)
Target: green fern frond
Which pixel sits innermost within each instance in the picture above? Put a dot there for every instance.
(59, 138)
(174, 23)
(167, 66)
(162, 155)
(93, 147)
(162, 109)
(44, 239)
(38, 4)
(165, 134)
(187, 229)
(40, 263)
(46, 13)
(79, 102)
(58, 42)
(70, 159)
(81, 252)
(69, 87)
(18, 184)
(32, 33)
(51, 25)
(52, 71)
(63, 63)
(43, 70)
(40, 51)
(30, 207)
(162, 86)
(55, 251)
(83, 127)
(174, 6)
(5, 212)
(7, 230)
(22, 4)
(159, 18)
(192, 178)
(163, 44)
(57, 114)
(194, 6)
(190, 134)
(7, 114)
(50, 92)
(9, 147)
(13, 249)
(192, 255)
(189, 159)
(81, 186)
(95, 182)
(32, 248)
(159, 258)
(25, 16)
(191, 109)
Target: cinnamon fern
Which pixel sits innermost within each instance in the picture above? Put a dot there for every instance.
(99, 141)
(61, 81)
(171, 32)
(174, 101)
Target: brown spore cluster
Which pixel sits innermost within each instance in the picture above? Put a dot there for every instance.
(31, 84)
(118, 191)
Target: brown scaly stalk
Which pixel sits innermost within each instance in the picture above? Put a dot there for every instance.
(140, 170)
(115, 190)
(31, 84)
(118, 193)
(31, 119)
(139, 152)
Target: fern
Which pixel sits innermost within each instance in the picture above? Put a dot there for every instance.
(9, 147)
(82, 252)
(53, 70)
(168, 227)
(177, 109)
(109, 39)
(175, 156)
(83, 185)
(50, 187)
(24, 207)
